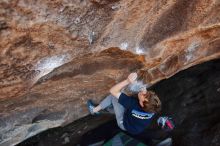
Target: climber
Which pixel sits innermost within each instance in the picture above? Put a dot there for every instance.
(133, 114)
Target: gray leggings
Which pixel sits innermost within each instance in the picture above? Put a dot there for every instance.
(118, 109)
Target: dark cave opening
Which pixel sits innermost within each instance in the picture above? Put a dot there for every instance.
(191, 98)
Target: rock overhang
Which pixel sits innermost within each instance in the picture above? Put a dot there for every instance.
(56, 54)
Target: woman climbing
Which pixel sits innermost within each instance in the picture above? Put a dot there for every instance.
(133, 114)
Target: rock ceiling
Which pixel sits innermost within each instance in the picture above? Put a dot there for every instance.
(54, 55)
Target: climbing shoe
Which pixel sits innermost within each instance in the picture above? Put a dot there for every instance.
(91, 106)
(165, 123)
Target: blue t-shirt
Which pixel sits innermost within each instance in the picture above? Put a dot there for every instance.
(135, 119)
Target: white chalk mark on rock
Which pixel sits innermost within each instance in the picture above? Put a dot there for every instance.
(190, 50)
(124, 46)
(137, 86)
(46, 65)
(91, 37)
(139, 50)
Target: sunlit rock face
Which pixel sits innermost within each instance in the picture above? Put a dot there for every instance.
(54, 55)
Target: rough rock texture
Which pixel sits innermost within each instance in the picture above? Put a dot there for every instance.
(56, 54)
(190, 97)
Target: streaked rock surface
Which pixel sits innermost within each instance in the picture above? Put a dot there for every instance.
(190, 97)
(54, 55)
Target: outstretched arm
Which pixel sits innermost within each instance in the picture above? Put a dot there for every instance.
(116, 90)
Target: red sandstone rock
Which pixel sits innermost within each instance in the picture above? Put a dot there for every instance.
(54, 55)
